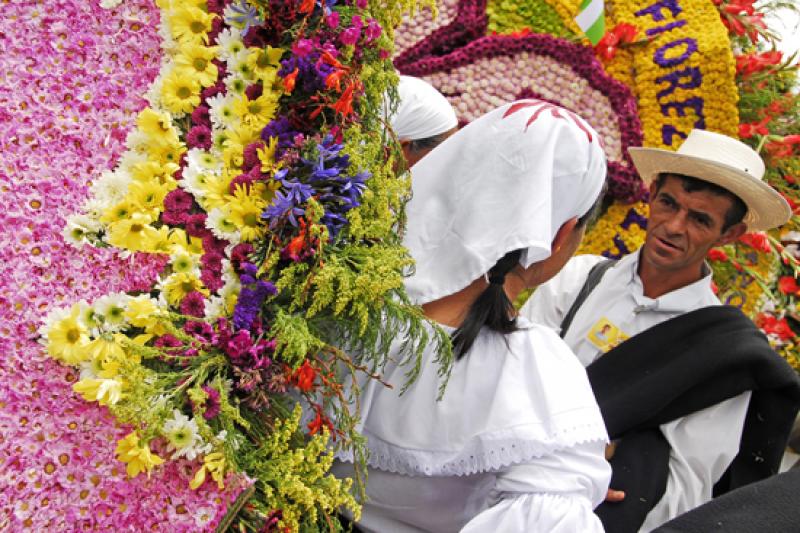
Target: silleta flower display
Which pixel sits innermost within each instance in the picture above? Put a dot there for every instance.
(262, 170)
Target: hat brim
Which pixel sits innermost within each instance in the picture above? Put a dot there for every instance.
(766, 208)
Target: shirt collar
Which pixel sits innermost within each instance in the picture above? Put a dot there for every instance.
(680, 300)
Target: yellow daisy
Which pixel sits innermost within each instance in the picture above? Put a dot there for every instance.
(148, 197)
(134, 233)
(255, 113)
(68, 338)
(216, 192)
(157, 125)
(103, 391)
(264, 62)
(144, 312)
(177, 286)
(245, 211)
(180, 92)
(196, 58)
(190, 24)
(138, 458)
(118, 212)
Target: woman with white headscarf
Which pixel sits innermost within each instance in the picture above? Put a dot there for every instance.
(516, 442)
(423, 119)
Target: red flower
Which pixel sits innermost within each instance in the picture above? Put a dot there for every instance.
(773, 326)
(622, 33)
(716, 254)
(303, 377)
(748, 130)
(755, 62)
(307, 6)
(758, 241)
(319, 422)
(788, 285)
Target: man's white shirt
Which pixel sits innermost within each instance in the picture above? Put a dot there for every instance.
(704, 443)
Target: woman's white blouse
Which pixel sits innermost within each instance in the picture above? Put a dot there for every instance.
(515, 444)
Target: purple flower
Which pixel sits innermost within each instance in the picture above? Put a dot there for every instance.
(332, 20)
(200, 116)
(250, 155)
(200, 330)
(254, 91)
(193, 304)
(373, 30)
(178, 200)
(249, 303)
(303, 47)
(212, 403)
(349, 37)
(199, 137)
(167, 341)
(196, 225)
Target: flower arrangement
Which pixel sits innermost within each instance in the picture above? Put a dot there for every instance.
(262, 172)
(545, 67)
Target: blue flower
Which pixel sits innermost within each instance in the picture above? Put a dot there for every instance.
(242, 15)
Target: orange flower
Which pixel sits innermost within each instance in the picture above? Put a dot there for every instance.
(289, 81)
(345, 104)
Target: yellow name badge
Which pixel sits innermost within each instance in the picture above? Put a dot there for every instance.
(605, 335)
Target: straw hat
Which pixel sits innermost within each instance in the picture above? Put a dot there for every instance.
(726, 162)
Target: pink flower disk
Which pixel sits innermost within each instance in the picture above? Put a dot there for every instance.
(495, 70)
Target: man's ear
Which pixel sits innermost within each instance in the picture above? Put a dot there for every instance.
(731, 234)
(563, 234)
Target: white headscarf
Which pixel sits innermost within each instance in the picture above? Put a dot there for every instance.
(423, 112)
(508, 180)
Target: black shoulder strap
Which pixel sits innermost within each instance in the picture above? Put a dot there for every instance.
(594, 277)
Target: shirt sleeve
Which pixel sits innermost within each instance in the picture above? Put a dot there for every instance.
(556, 494)
(703, 445)
(551, 300)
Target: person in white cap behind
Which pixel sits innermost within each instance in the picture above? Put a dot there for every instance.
(706, 194)
(516, 442)
(423, 119)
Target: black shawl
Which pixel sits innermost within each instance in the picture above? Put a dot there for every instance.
(678, 367)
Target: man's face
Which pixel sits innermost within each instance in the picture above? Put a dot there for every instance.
(684, 226)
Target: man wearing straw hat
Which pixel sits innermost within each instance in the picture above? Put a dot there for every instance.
(696, 401)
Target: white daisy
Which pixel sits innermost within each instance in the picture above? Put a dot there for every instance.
(81, 229)
(182, 434)
(230, 43)
(111, 187)
(220, 111)
(112, 310)
(221, 224)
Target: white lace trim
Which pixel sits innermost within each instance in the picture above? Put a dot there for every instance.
(483, 453)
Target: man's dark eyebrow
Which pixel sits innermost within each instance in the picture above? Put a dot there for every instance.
(701, 215)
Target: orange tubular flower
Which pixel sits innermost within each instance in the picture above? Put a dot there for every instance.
(289, 81)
